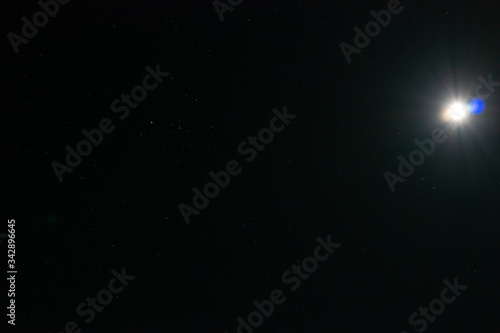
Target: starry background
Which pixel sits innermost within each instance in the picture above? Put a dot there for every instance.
(322, 175)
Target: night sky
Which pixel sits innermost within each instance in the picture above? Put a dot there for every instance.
(116, 116)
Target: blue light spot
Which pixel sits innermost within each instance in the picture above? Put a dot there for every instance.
(476, 106)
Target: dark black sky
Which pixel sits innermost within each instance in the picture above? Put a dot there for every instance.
(322, 175)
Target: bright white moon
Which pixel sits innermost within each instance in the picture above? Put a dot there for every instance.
(457, 112)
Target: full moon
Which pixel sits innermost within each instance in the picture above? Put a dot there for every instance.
(456, 112)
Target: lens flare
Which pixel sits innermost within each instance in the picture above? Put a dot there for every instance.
(476, 106)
